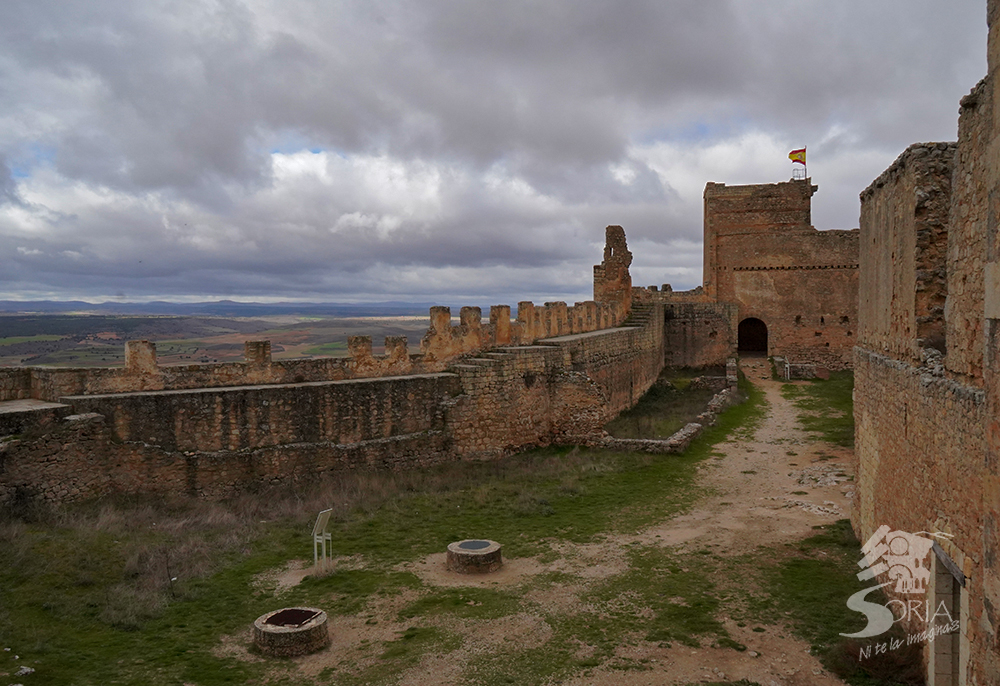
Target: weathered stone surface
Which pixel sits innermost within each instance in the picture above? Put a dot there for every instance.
(763, 255)
(474, 556)
(927, 365)
(214, 442)
(612, 282)
(275, 639)
(904, 222)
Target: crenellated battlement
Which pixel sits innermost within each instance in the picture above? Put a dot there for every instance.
(613, 294)
(668, 296)
(142, 372)
(442, 345)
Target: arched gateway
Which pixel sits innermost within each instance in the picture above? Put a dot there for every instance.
(752, 336)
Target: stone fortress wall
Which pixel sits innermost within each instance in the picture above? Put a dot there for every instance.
(927, 371)
(556, 374)
(442, 343)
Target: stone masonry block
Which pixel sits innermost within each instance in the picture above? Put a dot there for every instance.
(359, 347)
(140, 357)
(257, 352)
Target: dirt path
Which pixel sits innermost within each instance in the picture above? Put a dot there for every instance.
(769, 486)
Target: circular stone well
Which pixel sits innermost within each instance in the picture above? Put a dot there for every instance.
(474, 556)
(291, 631)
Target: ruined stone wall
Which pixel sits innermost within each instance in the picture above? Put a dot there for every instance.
(561, 390)
(904, 229)
(988, 659)
(247, 417)
(445, 341)
(15, 383)
(510, 401)
(919, 437)
(81, 458)
(927, 428)
(974, 208)
(612, 282)
(142, 373)
(699, 334)
(216, 441)
(623, 363)
(610, 307)
(442, 344)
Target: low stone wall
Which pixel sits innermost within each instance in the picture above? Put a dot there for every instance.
(15, 383)
(680, 440)
(677, 443)
(142, 372)
(29, 414)
(248, 417)
(442, 344)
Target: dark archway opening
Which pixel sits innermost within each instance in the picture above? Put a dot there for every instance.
(753, 336)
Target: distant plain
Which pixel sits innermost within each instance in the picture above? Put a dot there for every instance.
(88, 340)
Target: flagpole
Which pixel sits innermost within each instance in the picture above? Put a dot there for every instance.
(799, 157)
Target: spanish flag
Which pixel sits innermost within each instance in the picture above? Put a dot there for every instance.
(798, 156)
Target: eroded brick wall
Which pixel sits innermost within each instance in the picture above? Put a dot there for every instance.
(919, 442)
(52, 383)
(81, 459)
(15, 383)
(974, 208)
(562, 390)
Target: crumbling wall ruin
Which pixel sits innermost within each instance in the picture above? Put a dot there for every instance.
(699, 334)
(904, 283)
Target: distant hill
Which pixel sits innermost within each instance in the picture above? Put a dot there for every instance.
(220, 308)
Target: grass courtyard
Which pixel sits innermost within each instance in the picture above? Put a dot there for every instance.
(140, 591)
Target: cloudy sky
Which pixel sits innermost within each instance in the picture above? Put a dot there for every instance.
(462, 151)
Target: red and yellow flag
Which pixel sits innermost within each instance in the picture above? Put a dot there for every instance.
(798, 156)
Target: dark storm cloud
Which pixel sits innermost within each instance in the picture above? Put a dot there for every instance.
(458, 147)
